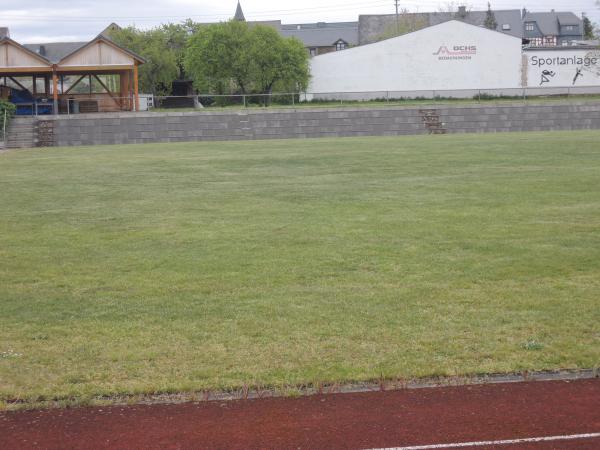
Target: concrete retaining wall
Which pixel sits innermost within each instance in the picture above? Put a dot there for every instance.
(134, 128)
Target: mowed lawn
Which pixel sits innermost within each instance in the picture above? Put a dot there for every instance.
(213, 266)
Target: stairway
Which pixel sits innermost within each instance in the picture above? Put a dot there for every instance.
(433, 123)
(22, 133)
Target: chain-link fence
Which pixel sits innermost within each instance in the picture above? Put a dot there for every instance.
(288, 99)
(147, 102)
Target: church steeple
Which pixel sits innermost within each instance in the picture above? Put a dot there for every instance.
(239, 14)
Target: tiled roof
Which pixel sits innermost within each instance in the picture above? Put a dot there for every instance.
(549, 22)
(54, 51)
(322, 34)
(511, 17)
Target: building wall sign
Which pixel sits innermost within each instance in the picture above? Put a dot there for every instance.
(585, 61)
(563, 68)
(456, 52)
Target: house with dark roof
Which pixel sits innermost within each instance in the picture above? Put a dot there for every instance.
(318, 38)
(321, 37)
(551, 29)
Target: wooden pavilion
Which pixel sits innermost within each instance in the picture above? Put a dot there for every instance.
(98, 76)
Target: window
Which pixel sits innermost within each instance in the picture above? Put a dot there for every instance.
(536, 42)
(506, 27)
(570, 28)
(340, 45)
(530, 26)
(313, 52)
(550, 41)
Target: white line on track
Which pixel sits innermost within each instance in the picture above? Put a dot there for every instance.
(572, 437)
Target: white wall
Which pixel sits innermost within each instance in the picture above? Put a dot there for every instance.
(558, 68)
(420, 61)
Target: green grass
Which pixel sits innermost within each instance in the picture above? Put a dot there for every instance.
(183, 267)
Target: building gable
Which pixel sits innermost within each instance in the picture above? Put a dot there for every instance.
(13, 55)
(98, 53)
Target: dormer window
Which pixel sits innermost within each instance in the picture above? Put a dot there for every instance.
(529, 26)
(341, 45)
(506, 27)
(570, 28)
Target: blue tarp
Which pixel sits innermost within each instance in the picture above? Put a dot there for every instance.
(24, 102)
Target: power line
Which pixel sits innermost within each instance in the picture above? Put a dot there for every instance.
(272, 14)
(339, 7)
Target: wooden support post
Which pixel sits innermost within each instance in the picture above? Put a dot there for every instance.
(55, 91)
(136, 93)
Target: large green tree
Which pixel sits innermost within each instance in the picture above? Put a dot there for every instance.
(276, 61)
(217, 57)
(161, 68)
(235, 57)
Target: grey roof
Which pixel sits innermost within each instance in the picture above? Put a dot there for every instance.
(548, 22)
(568, 18)
(510, 17)
(322, 34)
(55, 51)
(239, 14)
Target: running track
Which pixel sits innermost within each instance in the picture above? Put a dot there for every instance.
(559, 410)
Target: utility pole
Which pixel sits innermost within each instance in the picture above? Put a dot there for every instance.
(397, 2)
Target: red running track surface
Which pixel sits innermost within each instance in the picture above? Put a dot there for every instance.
(342, 421)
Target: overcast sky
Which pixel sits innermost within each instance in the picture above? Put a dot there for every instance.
(68, 20)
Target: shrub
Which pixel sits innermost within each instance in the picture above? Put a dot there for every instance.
(9, 109)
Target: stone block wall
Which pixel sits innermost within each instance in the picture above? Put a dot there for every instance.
(137, 128)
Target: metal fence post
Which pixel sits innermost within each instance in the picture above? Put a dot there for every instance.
(244, 97)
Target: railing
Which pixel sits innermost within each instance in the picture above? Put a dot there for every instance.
(109, 103)
(4, 123)
(433, 96)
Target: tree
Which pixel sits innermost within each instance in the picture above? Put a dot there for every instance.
(217, 56)
(490, 19)
(588, 28)
(161, 69)
(176, 37)
(454, 7)
(275, 60)
(234, 57)
(407, 23)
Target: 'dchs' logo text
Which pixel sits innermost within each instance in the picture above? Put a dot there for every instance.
(457, 52)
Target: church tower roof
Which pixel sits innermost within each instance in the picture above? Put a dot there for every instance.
(239, 14)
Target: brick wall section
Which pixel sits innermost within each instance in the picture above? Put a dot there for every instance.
(134, 128)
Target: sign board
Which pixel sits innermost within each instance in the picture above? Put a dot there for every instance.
(563, 68)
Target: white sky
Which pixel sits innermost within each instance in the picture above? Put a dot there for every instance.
(67, 20)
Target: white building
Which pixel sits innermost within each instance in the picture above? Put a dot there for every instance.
(453, 59)
(450, 56)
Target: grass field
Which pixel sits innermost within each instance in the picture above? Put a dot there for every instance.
(184, 267)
